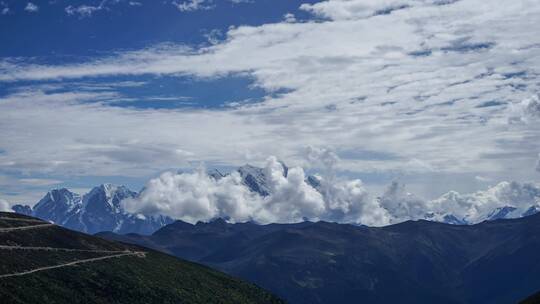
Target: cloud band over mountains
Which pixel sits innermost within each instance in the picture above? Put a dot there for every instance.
(197, 196)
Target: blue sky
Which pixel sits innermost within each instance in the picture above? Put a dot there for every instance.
(442, 95)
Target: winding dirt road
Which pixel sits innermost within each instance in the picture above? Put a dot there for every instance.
(16, 274)
(25, 227)
(3, 218)
(60, 249)
(115, 254)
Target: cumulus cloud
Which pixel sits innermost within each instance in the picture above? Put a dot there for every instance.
(197, 196)
(322, 158)
(480, 205)
(31, 7)
(293, 197)
(289, 18)
(402, 204)
(4, 206)
(527, 111)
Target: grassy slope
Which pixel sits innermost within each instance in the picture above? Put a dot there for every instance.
(156, 278)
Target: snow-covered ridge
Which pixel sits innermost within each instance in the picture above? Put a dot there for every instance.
(98, 210)
(274, 193)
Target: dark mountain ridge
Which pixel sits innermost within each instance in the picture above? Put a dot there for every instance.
(411, 262)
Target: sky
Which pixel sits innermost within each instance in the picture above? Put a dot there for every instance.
(441, 95)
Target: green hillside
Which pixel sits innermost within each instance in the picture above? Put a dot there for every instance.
(50, 264)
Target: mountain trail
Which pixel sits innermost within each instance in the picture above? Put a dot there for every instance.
(134, 253)
(5, 247)
(25, 227)
(3, 218)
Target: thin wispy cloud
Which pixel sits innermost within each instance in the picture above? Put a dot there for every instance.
(193, 5)
(83, 10)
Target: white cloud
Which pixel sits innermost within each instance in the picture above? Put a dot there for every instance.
(402, 204)
(322, 158)
(4, 8)
(289, 18)
(84, 10)
(482, 179)
(429, 84)
(31, 7)
(39, 181)
(214, 36)
(196, 196)
(193, 5)
(346, 9)
(527, 111)
(477, 206)
(4, 206)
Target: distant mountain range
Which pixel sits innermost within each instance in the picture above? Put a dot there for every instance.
(44, 263)
(100, 209)
(412, 262)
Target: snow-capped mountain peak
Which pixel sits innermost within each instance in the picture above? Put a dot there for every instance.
(57, 204)
(502, 213)
(98, 210)
(256, 180)
(108, 194)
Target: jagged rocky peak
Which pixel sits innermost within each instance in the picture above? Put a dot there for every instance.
(531, 211)
(57, 206)
(98, 210)
(314, 181)
(216, 174)
(452, 219)
(446, 218)
(109, 194)
(62, 195)
(256, 180)
(58, 199)
(502, 213)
